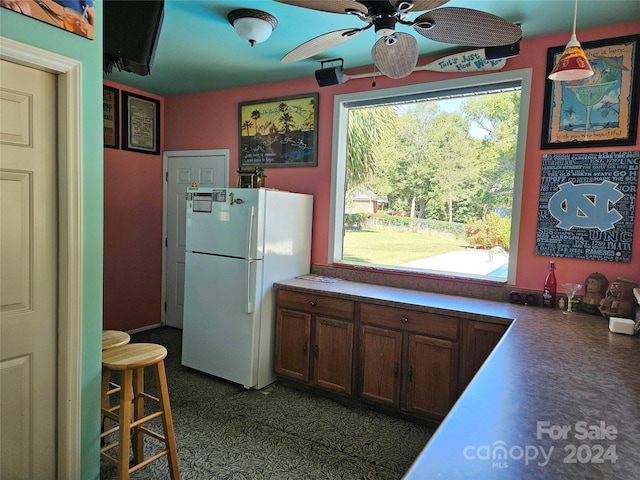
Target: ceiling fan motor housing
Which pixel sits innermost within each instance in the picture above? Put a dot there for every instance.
(385, 26)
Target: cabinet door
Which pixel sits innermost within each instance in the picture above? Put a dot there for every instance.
(333, 351)
(293, 341)
(431, 375)
(480, 339)
(380, 363)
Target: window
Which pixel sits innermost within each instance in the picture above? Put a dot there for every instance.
(424, 182)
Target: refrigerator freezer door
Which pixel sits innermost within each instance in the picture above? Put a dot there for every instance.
(224, 222)
(220, 336)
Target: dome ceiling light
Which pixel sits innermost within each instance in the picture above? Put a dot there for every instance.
(254, 26)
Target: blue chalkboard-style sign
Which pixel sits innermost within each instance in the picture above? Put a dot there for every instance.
(587, 204)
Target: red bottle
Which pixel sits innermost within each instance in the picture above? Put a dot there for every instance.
(549, 291)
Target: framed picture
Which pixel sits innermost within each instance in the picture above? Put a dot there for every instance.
(601, 110)
(78, 19)
(586, 205)
(279, 132)
(140, 123)
(111, 116)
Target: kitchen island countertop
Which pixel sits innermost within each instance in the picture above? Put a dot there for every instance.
(558, 398)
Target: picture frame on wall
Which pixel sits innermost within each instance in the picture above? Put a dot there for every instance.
(279, 132)
(78, 20)
(111, 116)
(140, 123)
(601, 110)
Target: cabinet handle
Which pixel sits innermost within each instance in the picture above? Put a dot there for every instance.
(315, 350)
(410, 374)
(405, 320)
(304, 348)
(396, 370)
(312, 303)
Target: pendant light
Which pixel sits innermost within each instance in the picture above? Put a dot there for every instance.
(255, 26)
(573, 64)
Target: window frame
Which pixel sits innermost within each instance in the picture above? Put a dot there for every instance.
(341, 105)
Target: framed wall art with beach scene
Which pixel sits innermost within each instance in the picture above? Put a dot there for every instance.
(75, 16)
(601, 110)
(279, 132)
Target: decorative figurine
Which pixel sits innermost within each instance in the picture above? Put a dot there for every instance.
(595, 288)
(619, 301)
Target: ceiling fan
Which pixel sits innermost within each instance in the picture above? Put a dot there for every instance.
(395, 54)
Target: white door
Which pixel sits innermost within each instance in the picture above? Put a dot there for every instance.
(28, 272)
(208, 168)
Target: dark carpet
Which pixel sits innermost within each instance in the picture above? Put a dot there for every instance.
(225, 432)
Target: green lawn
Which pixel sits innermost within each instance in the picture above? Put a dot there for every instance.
(384, 247)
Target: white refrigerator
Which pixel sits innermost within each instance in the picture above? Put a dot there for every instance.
(239, 241)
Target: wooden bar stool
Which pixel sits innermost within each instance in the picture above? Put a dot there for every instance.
(131, 360)
(114, 338)
(110, 339)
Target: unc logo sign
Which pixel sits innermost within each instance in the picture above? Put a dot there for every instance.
(586, 205)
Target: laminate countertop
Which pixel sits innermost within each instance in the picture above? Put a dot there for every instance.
(558, 398)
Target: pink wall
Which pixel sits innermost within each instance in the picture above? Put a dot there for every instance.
(132, 235)
(133, 182)
(210, 120)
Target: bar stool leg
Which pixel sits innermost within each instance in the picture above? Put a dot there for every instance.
(126, 407)
(104, 399)
(167, 420)
(137, 436)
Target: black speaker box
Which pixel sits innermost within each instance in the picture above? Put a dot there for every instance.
(329, 76)
(131, 32)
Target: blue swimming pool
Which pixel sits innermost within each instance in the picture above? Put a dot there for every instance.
(501, 271)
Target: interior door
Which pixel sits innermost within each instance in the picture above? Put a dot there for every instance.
(209, 168)
(28, 272)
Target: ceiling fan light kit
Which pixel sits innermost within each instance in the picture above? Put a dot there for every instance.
(254, 26)
(395, 54)
(573, 63)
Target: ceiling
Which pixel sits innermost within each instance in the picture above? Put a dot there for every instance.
(199, 51)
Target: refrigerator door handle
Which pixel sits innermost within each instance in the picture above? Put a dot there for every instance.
(250, 239)
(249, 302)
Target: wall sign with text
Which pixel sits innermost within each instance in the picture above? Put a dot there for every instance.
(587, 204)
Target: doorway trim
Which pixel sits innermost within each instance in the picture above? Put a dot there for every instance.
(69, 347)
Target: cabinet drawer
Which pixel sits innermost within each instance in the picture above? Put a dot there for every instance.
(316, 304)
(430, 324)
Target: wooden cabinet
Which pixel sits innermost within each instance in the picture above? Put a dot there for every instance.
(479, 339)
(408, 359)
(314, 340)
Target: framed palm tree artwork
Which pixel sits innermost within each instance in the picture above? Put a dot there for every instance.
(279, 132)
(601, 110)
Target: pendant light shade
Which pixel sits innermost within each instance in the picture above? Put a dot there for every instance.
(573, 64)
(255, 26)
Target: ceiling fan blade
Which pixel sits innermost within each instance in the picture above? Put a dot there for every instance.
(419, 5)
(319, 44)
(396, 60)
(465, 26)
(332, 6)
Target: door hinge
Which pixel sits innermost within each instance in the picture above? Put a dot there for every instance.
(166, 176)
(165, 306)
(166, 242)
